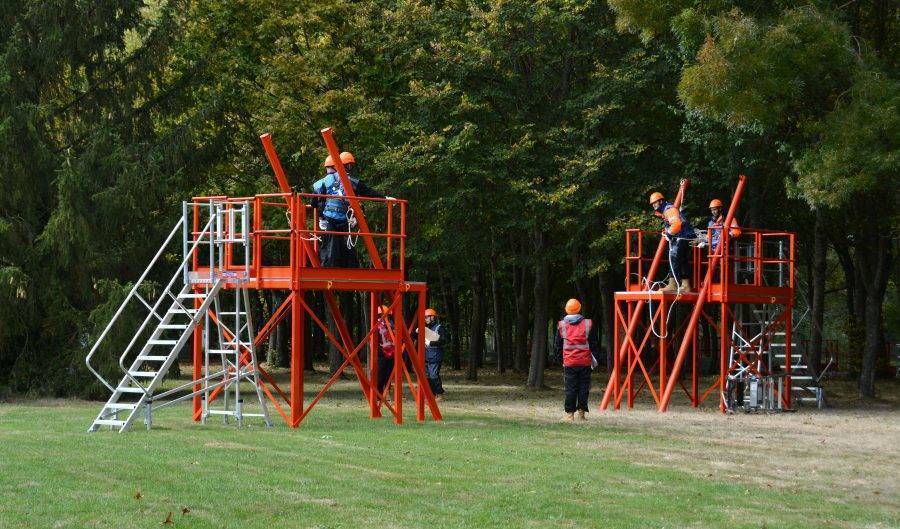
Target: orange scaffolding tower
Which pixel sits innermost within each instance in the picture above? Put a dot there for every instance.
(270, 241)
(384, 282)
(745, 293)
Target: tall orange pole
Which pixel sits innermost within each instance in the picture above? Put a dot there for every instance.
(691, 329)
(350, 193)
(266, 140)
(635, 316)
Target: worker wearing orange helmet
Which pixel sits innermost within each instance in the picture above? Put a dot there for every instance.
(386, 346)
(335, 214)
(717, 221)
(436, 337)
(576, 347)
(679, 232)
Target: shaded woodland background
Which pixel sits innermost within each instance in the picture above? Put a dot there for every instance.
(526, 136)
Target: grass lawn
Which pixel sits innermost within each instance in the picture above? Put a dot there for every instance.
(498, 460)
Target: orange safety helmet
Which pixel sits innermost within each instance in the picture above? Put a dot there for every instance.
(430, 312)
(347, 157)
(656, 196)
(716, 203)
(329, 162)
(573, 306)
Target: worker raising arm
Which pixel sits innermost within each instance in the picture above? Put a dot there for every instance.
(678, 231)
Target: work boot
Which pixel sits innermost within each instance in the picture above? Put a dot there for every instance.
(671, 286)
(685, 285)
(581, 416)
(570, 417)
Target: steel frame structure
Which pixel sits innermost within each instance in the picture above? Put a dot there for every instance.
(651, 350)
(302, 274)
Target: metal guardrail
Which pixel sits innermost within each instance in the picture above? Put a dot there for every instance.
(182, 270)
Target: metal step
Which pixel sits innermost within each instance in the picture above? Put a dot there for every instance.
(129, 390)
(162, 342)
(179, 310)
(143, 374)
(153, 358)
(121, 406)
(192, 296)
(801, 377)
(108, 422)
(173, 326)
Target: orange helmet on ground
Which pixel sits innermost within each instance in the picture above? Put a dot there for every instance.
(383, 309)
(329, 162)
(656, 196)
(573, 306)
(347, 157)
(716, 203)
(431, 312)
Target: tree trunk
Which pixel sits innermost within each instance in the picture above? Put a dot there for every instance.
(875, 259)
(451, 304)
(522, 313)
(541, 311)
(495, 293)
(607, 296)
(819, 271)
(477, 326)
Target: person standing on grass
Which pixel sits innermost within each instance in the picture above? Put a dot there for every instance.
(436, 337)
(576, 347)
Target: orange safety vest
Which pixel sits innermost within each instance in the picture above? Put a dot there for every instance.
(385, 342)
(576, 351)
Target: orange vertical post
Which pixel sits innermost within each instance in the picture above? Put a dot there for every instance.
(399, 332)
(701, 300)
(298, 322)
(420, 346)
(374, 394)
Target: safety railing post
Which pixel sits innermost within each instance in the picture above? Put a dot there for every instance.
(184, 239)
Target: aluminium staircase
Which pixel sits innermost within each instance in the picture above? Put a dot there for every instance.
(172, 321)
(175, 328)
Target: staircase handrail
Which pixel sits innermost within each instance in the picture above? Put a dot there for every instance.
(178, 272)
(133, 293)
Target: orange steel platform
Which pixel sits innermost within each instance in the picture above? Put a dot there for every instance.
(656, 333)
(283, 255)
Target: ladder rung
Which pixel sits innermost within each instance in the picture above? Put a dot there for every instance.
(229, 313)
(172, 326)
(153, 358)
(144, 374)
(162, 342)
(121, 406)
(191, 296)
(179, 310)
(109, 422)
(129, 389)
(221, 351)
(801, 377)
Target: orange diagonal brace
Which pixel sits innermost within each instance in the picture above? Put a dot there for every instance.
(701, 299)
(266, 140)
(636, 315)
(328, 136)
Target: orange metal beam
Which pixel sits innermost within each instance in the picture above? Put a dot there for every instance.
(701, 299)
(651, 274)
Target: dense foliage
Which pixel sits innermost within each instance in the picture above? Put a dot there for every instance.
(526, 135)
